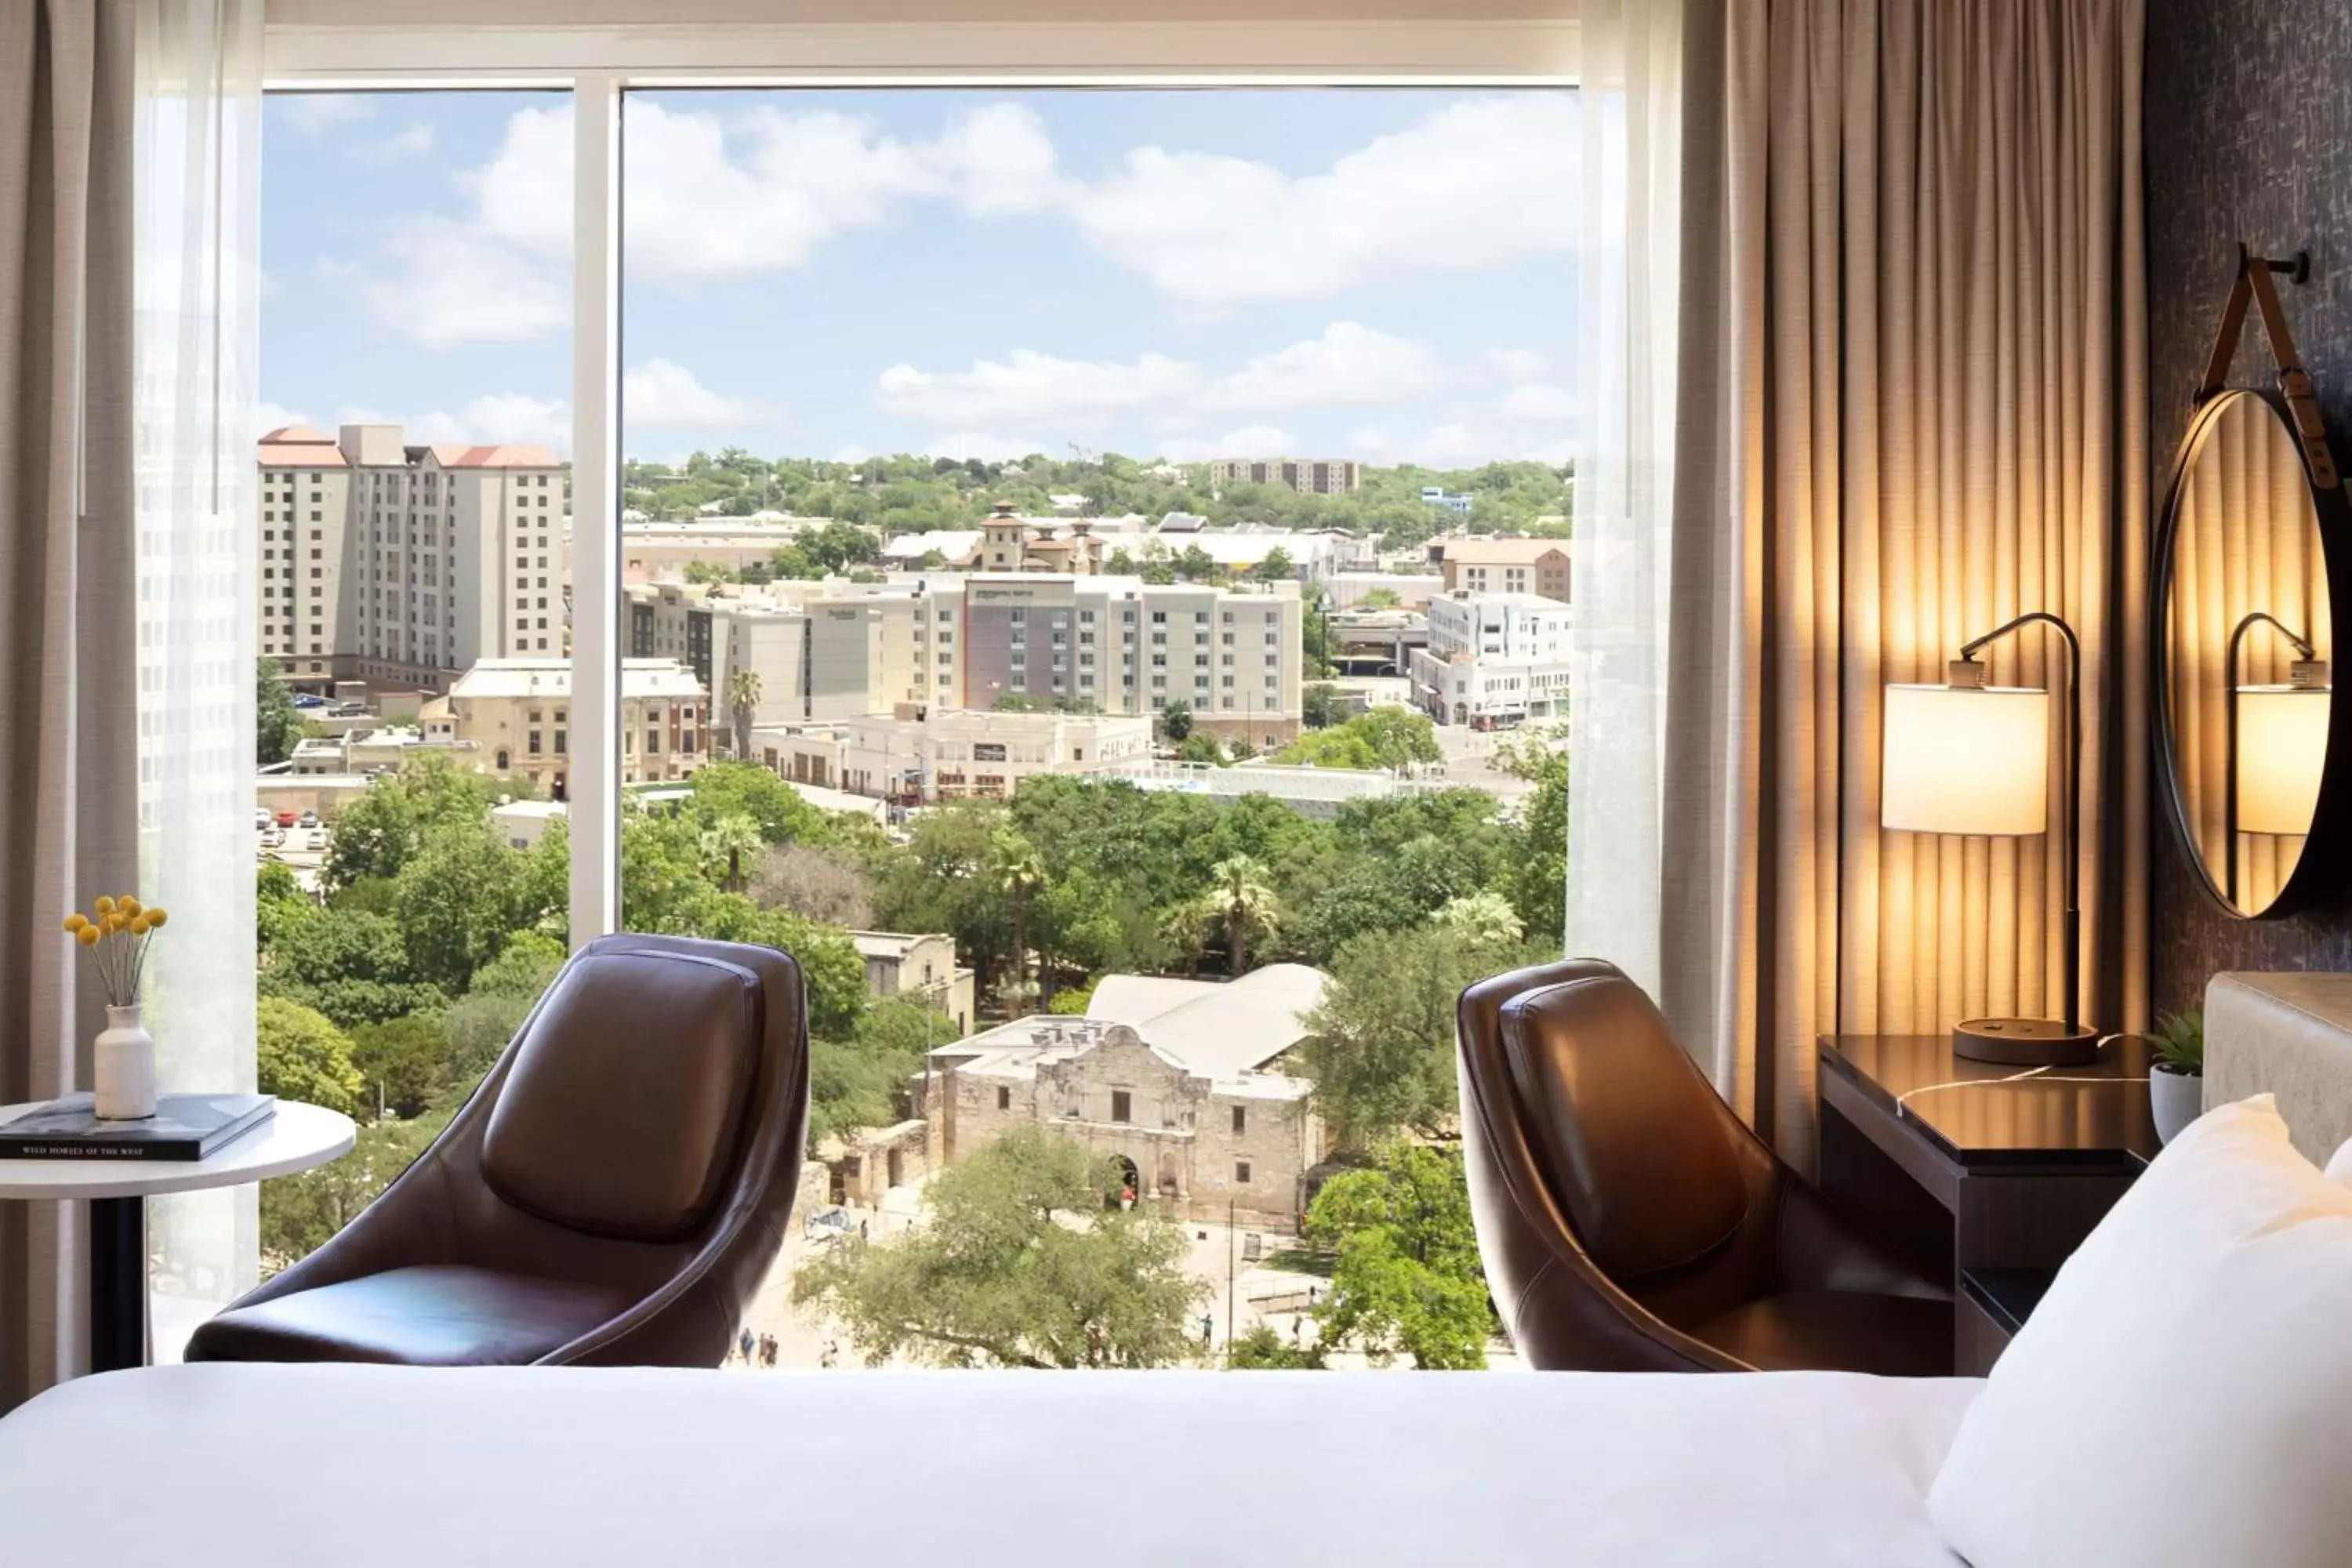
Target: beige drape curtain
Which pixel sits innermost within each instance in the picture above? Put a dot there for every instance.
(67, 762)
(1912, 373)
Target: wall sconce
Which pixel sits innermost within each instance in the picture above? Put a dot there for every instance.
(1966, 758)
(2277, 737)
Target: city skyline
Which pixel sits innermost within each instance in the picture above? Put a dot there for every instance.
(1343, 273)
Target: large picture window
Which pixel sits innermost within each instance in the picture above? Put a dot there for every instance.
(1138, 963)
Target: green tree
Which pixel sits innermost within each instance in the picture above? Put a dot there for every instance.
(1263, 1349)
(1407, 1280)
(1243, 906)
(299, 1055)
(1020, 1264)
(1380, 1045)
(459, 899)
(743, 707)
(400, 1062)
(351, 964)
(1380, 599)
(1320, 706)
(278, 725)
(377, 833)
(1203, 748)
(739, 788)
(1176, 720)
(1277, 567)
(1017, 872)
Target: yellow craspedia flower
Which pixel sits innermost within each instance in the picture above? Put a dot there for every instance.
(138, 925)
(127, 905)
(75, 922)
(86, 936)
(105, 904)
(156, 917)
(114, 924)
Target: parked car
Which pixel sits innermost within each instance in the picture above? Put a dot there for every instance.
(262, 817)
(310, 819)
(274, 840)
(285, 819)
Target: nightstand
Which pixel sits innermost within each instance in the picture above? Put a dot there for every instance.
(1995, 1182)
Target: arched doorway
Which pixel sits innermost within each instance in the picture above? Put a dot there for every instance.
(1129, 1183)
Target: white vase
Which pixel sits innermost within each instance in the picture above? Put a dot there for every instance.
(123, 1066)
(2176, 1099)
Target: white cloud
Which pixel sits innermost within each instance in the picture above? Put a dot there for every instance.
(1550, 404)
(1349, 366)
(451, 286)
(414, 140)
(1517, 366)
(1462, 442)
(498, 417)
(661, 393)
(267, 416)
(1478, 183)
(1251, 441)
(316, 113)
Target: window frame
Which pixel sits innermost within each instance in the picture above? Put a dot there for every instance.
(334, 46)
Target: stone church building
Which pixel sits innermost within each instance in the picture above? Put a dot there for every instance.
(1168, 1077)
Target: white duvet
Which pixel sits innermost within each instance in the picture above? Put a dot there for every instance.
(272, 1466)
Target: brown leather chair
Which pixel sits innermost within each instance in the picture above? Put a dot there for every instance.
(1630, 1222)
(612, 1194)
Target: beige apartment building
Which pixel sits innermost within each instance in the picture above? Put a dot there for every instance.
(918, 967)
(405, 566)
(1482, 566)
(516, 714)
(1308, 475)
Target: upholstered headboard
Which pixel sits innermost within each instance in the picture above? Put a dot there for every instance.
(2287, 1035)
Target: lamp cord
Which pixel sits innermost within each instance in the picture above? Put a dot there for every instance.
(2036, 1075)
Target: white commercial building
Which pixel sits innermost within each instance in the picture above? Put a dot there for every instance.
(1493, 658)
(948, 754)
(406, 564)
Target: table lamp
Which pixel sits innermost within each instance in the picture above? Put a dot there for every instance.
(1969, 758)
(2277, 737)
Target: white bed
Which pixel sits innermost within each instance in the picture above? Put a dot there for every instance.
(323, 1467)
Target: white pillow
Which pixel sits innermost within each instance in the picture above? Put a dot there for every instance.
(2183, 1394)
(2339, 1165)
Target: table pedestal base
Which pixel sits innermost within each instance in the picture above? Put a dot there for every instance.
(118, 1283)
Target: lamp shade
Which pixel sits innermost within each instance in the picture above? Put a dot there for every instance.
(1966, 760)
(2282, 752)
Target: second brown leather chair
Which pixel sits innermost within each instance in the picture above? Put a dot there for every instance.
(1629, 1221)
(612, 1194)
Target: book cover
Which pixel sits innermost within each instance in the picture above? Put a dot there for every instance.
(185, 1127)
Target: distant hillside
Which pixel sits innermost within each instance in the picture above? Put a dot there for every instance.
(906, 495)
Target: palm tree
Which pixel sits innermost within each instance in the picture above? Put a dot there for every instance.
(1242, 902)
(1015, 870)
(1185, 927)
(743, 704)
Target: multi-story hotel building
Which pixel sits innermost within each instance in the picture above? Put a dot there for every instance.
(1308, 475)
(405, 566)
(1110, 643)
(516, 716)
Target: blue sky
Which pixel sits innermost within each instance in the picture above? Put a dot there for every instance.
(1378, 274)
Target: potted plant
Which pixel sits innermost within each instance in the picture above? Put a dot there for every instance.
(2175, 1078)
(122, 1058)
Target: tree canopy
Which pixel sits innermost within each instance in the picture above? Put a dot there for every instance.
(1407, 1280)
(1018, 1264)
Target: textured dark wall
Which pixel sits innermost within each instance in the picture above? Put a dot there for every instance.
(2249, 137)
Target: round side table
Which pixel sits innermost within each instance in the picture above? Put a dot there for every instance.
(296, 1138)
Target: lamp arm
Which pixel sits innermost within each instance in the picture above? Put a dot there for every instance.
(2072, 957)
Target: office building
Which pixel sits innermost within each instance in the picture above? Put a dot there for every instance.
(1308, 475)
(1492, 659)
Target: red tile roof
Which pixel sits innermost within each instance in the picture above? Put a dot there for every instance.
(507, 457)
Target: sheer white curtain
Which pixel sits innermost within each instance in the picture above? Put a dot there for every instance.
(197, 126)
(1629, 95)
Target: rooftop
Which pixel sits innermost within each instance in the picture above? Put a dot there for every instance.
(890, 943)
(1485, 551)
(551, 677)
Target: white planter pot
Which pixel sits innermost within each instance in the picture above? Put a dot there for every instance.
(123, 1065)
(2176, 1099)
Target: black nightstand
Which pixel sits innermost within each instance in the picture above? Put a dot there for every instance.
(1997, 1182)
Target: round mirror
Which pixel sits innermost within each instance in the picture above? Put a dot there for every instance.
(2246, 650)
